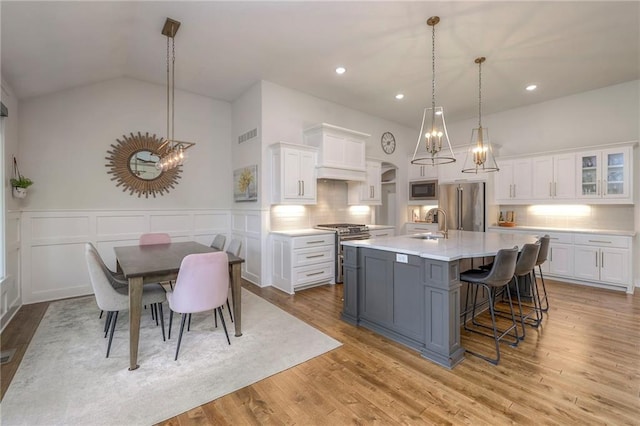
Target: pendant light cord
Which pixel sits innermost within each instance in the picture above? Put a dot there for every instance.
(480, 94)
(433, 69)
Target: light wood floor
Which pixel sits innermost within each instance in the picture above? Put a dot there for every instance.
(581, 367)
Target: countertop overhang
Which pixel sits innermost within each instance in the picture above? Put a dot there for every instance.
(572, 230)
(459, 245)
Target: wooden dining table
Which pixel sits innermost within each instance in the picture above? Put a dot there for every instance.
(144, 264)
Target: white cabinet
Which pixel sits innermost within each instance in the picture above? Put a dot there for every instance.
(553, 177)
(384, 232)
(452, 172)
(605, 175)
(293, 174)
(513, 181)
(341, 152)
(603, 258)
(419, 228)
(418, 172)
(369, 191)
(302, 261)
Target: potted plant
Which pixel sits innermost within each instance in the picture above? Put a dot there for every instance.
(20, 185)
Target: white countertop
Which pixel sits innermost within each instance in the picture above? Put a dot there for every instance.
(459, 245)
(577, 230)
(303, 232)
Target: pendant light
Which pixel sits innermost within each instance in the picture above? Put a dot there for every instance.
(171, 151)
(433, 146)
(480, 156)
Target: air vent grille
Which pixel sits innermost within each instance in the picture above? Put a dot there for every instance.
(248, 135)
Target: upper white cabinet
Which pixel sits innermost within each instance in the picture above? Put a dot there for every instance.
(341, 152)
(605, 175)
(293, 179)
(419, 172)
(553, 177)
(452, 172)
(367, 192)
(513, 181)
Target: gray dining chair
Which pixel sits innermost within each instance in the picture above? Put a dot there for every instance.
(218, 242)
(117, 280)
(113, 300)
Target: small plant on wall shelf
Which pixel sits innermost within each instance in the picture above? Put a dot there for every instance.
(19, 182)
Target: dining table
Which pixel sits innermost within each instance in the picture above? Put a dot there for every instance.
(155, 263)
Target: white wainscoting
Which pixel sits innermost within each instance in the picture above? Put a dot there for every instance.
(52, 243)
(248, 225)
(10, 296)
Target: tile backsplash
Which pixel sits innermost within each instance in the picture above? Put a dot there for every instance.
(611, 217)
(332, 207)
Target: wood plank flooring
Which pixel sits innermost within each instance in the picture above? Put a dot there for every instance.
(582, 366)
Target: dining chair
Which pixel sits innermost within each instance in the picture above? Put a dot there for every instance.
(234, 248)
(218, 242)
(202, 285)
(154, 238)
(113, 300)
(117, 280)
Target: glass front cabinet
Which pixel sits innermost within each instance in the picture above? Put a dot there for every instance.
(604, 174)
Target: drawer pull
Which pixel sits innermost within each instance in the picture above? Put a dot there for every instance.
(600, 241)
(315, 242)
(314, 256)
(315, 273)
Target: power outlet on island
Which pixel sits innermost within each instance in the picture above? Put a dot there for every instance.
(402, 258)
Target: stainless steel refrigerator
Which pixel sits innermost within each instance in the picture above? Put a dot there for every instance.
(464, 204)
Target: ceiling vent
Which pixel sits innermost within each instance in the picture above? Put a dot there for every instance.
(248, 135)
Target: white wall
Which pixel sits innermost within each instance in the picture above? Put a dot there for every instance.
(64, 138)
(597, 117)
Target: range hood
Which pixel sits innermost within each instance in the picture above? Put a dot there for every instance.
(340, 152)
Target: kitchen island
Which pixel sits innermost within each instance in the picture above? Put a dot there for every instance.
(407, 288)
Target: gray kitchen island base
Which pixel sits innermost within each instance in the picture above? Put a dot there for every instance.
(412, 300)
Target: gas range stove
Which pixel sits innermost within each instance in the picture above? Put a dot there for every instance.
(346, 229)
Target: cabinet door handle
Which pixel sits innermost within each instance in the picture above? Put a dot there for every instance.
(551, 255)
(598, 187)
(315, 273)
(299, 192)
(604, 187)
(303, 188)
(602, 259)
(555, 189)
(600, 241)
(550, 192)
(514, 190)
(596, 259)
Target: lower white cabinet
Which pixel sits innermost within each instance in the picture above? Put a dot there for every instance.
(603, 258)
(419, 228)
(302, 261)
(597, 259)
(385, 232)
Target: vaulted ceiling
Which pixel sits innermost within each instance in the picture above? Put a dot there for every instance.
(222, 48)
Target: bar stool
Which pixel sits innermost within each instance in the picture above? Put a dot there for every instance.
(542, 257)
(500, 275)
(522, 275)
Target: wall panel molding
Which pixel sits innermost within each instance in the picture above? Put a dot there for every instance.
(52, 244)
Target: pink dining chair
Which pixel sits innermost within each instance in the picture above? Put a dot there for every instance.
(154, 238)
(202, 285)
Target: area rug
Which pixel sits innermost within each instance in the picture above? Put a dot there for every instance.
(65, 379)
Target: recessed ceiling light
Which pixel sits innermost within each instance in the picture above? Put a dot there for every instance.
(531, 87)
(341, 70)
(399, 96)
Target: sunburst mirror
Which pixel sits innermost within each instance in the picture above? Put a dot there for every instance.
(132, 162)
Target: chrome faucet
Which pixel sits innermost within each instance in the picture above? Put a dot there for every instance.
(445, 231)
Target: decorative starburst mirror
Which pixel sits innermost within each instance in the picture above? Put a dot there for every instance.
(132, 162)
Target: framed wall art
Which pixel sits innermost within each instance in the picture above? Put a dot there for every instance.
(245, 184)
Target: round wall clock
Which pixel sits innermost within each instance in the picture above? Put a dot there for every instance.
(388, 142)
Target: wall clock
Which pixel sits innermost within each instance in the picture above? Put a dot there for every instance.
(388, 142)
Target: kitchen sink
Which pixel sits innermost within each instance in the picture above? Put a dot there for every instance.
(428, 236)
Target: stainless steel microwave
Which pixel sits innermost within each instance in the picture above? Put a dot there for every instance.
(423, 190)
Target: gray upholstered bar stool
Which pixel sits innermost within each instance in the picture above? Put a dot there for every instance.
(521, 277)
(542, 257)
(498, 278)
